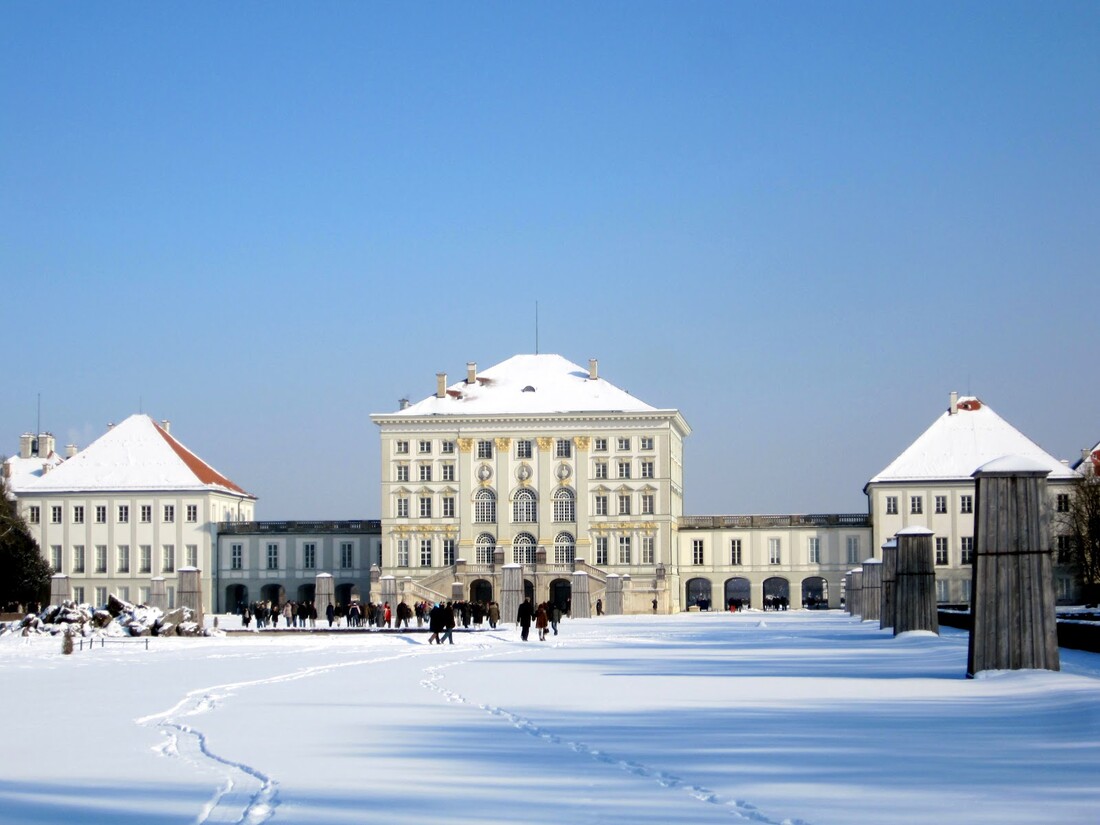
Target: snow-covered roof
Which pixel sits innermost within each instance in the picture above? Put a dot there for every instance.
(960, 442)
(528, 385)
(137, 454)
(23, 470)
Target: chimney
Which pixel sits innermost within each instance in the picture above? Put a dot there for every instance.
(592, 371)
(403, 404)
(46, 445)
(70, 450)
(110, 425)
(26, 445)
(954, 408)
(7, 469)
(471, 372)
(441, 385)
(166, 425)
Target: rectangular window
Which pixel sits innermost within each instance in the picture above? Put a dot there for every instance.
(55, 514)
(425, 552)
(236, 557)
(425, 472)
(273, 557)
(484, 450)
(599, 445)
(309, 555)
(78, 514)
(600, 469)
(624, 505)
(735, 552)
(624, 469)
(624, 444)
(563, 448)
(647, 469)
(813, 550)
(78, 558)
(401, 472)
(146, 560)
(852, 549)
(943, 590)
(347, 558)
(424, 447)
(775, 551)
(101, 558)
(168, 558)
(146, 513)
(192, 513)
(649, 544)
(1064, 546)
(143, 595)
(1061, 503)
(601, 505)
(448, 471)
(601, 550)
(403, 507)
(966, 550)
(916, 505)
(447, 447)
(891, 505)
(101, 514)
(941, 550)
(78, 594)
(124, 558)
(55, 557)
(941, 505)
(100, 596)
(523, 449)
(646, 442)
(425, 507)
(448, 552)
(647, 504)
(34, 514)
(966, 504)
(624, 549)
(124, 594)
(402, 552)
(191, 555)
(124, 514)
(169, 513)
(448, 506)
(697, 551)
(401, 447)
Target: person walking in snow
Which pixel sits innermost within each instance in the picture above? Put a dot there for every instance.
(494, 614)
(541, 621)
(555, 617)
(524, 616)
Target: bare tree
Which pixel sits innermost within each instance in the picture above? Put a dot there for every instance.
(1078, 528)
(24, 574)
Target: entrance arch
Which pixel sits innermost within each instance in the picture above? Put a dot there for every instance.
(236, 597)
(777, 593)
(306, 591)
(561, 594)
(273, 593)
(481, 591)
(738, 592)
(347, 593)
(529, 590)
(815, 593)
(698, 593)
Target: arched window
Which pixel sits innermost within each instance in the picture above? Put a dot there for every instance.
(565, 505)
(523, 549)
(565, 548)
(485, 507)
(483, 549)
(525, 507)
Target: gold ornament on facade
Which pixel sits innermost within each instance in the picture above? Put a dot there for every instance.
(503, 444)
(582, 442)
(545, 443)
(465, 445)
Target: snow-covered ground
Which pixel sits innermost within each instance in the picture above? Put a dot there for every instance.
(772, 718)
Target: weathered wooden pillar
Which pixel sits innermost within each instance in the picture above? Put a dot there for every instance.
(190, 592)
(915, 590)
(324, 593)
(580, 607)
(457, 592)
(871, 596)
(848, 592)
(857, 593)
(158, 593)
(889, 583)
(511, 592)
(60, 589)
(1012, 602)
(613, 598)
(388, 592)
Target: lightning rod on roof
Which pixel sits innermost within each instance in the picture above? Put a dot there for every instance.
(536, 327)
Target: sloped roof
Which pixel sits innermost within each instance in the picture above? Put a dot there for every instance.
(24, 470)
(138, 455)
(959, 443)
(528, 384)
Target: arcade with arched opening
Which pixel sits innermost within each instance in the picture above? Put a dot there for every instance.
(738, 593)
(777, 593)
(815, 593)
(698, 594)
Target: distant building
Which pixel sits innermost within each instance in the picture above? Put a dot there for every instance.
(930, 485)
(134, 505)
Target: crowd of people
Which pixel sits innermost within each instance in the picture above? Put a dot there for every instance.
(303, 614)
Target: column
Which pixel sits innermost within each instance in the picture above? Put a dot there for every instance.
(888, 603)
(915, 590)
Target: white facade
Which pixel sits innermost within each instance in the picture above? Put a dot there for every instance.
(136, 504)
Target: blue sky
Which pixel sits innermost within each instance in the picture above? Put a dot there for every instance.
(802, 224)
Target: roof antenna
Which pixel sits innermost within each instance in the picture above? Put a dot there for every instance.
(38, 422)
(536, 327)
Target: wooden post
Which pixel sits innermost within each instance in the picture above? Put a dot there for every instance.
(857, 593)
(323, 593)
(1013, 608)
(511, 592)
(580, 605)
(915, 590)
(848, 593)
(190, 592)
(613, 603)
(889, 582)
(872, 590)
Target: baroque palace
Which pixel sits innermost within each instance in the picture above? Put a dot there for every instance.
(535, 462)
